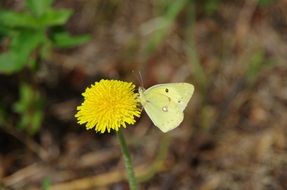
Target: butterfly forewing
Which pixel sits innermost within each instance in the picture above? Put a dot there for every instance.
(179, 93)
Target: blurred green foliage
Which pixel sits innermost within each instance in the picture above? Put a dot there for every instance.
(169, 10)
(258, 61)
(29, 37)
(46, 183)
(197, 69)
(255, 65)
(29, 107)
(265, 3)
(30, 34)
(162, 25)
(211, 6)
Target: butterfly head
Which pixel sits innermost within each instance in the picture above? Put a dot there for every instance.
(141, 94)
(141, 90)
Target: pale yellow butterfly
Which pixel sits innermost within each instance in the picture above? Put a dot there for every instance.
(165, 103)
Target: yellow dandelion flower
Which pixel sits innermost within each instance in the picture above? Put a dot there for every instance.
(108, 104)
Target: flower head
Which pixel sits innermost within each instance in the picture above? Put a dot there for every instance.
(108, 104)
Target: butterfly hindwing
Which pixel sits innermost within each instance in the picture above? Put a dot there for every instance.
(165, 115)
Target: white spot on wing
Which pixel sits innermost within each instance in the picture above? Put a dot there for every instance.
(164, 109)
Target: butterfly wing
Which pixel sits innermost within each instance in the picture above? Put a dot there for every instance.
(164, 103)
(166, 116)
(180, 93)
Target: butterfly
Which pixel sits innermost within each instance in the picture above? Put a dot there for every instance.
(165, 103)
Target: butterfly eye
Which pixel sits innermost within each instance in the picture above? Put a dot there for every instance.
(166, 90)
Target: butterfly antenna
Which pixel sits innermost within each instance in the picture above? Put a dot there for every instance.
(137, 77)
(141, 78)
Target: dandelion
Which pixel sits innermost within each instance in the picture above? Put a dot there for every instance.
(111, 104)
(108, 104)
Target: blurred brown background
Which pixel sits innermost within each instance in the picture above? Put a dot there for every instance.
(234, 132)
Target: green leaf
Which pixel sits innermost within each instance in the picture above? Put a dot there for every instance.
(26, 41)
(55, 17)
(9, 63)
(13, 19)
(29, 106)
(25, 95)
(21, 47)
(25, 20)
(38, 7)
(4, 31)
(65, 40)
(36, 118)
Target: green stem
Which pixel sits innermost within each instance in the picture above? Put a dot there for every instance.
(128, 161)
